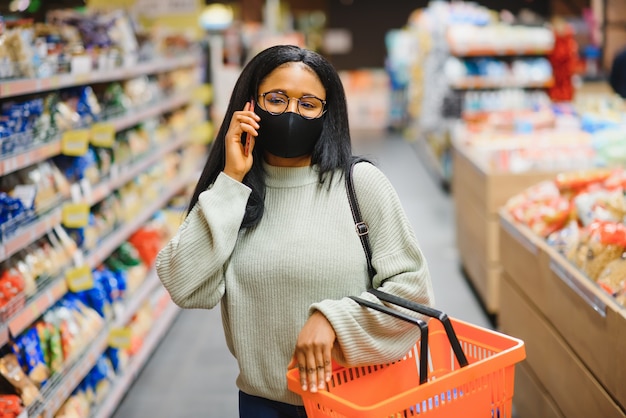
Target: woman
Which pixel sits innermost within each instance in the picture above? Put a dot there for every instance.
(270, 235)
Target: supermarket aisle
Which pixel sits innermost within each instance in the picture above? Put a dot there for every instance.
(192, 375)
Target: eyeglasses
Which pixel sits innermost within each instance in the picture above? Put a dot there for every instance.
(309, 107)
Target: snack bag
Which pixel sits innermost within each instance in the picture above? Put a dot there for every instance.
(30, 353)
(601, 243)
(601, 205)
(10, 369)
(612, 279)
(578, 180)
(566, 239)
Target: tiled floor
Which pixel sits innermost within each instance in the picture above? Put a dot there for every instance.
(192, 374)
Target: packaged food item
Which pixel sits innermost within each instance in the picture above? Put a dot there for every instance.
(10, 406)
(11, 370)
(600, 243)
(601, 204)
(612, 279)
(575, 181)
(30, 355)
(11, 285)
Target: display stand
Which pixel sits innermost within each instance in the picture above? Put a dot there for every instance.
(57, 390)
(435, 140)
(575, 333)
(478, 194)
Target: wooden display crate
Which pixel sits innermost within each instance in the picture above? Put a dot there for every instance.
(531, 398)
(575, 390)
(478, 195)
(589, 322)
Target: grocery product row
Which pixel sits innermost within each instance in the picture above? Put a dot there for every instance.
(467, 60)
(536, 177)
(67, 362)
(103, 125)
(71, 46)
(562, 254)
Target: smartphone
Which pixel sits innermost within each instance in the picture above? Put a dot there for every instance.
(245, 137)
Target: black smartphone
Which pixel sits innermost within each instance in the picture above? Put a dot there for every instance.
(245, 137)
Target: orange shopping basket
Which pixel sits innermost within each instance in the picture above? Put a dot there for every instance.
(464, 370)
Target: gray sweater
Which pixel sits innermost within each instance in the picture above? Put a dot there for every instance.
(304, 255)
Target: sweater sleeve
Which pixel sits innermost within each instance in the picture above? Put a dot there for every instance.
(191, 265)
(365, 336)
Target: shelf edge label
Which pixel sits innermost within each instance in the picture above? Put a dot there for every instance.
(120, 337)
(79, 279)
(103, 135)
(75, 215)
(203, 94)
(75, 143)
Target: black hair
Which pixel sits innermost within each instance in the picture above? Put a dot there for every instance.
(332, 151)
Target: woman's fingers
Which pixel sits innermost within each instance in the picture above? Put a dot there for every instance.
(243, 126)
(313, 352)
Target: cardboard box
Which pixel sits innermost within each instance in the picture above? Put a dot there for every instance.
(576, 392)
(588, 320)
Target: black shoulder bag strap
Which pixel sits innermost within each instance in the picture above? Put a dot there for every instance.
(362, 229)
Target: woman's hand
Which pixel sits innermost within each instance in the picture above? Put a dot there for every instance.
(238, 156)
(312, 355)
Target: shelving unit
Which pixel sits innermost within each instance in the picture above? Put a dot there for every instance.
(62, 384)
(480, 83)
(22, 87)
(435, 133)
(569, 325)
(125, 380)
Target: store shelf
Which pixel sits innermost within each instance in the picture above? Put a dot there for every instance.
(478, 82)
(58, 391)
(165, 105)
(29, 234)
(34, 309)
(123, 382)
(28, 86)
(135, 300)
(53, 147)
(95, 258)
(33, 156)
(432, 163)
(502, 52)
(126, 174)
(51, 294)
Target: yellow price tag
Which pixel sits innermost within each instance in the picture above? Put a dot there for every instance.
(79, 279)
(203, 94)
(120, 337)
(102, 135)
(202, 133)
(110, 4)
(75, 143)
(75, 215)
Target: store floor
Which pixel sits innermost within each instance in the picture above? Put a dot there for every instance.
(192, 374)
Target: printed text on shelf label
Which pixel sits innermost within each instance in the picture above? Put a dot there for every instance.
(79, 279)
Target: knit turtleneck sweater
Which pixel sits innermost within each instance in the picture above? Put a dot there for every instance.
(304, 255)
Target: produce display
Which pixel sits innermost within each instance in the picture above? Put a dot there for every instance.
(582, 214)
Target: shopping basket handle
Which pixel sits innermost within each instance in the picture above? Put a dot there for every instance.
(423, 326)
(431, 312)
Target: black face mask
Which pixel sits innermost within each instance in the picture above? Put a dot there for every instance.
(288, 135)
